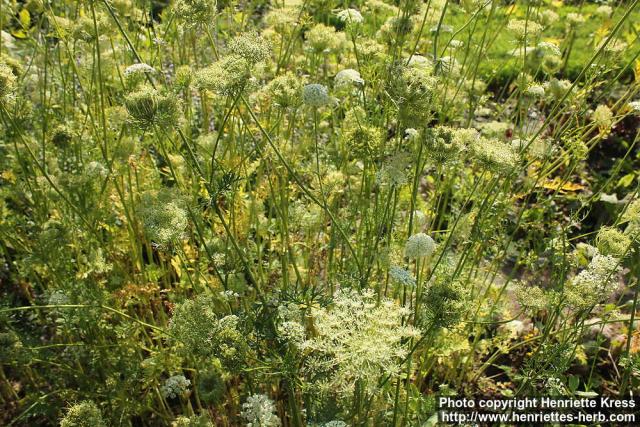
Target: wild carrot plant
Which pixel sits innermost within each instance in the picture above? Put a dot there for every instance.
(314, 212)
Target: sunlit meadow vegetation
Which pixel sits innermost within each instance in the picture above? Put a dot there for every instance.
(314, 212)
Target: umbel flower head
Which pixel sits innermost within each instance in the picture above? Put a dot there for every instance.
(203, 333)
(524, 28)
(285, 90)
(193, 421)
(348, 77)
(163, 215)
(315, 95)
(324, 39)
(137, 73)
(632, 213)
(444, 144)
(611, 241)
(226, 76)
(147, 108)
(594, 284)
(83, 414)
(250, 46)
(350, 16)
(412, 89)
(603, 118)
(260, 411)
(495, 155)
(419, 246)
(361, 138)
(402, 276)
(139, 68)
(7, 82)
(175, 386)
(195, 12)
(443, 304)
(357, 340)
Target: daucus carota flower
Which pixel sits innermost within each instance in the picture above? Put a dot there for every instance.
(603, 117)
(557, 88)
(204, 333)
(548, 47)
(522, 29)
(604, 11)
(411, 134)
(139, 68)
(594, 284)
(632, 216)
(444, 144)
(530, 297)
(350, 16)
(419, 61)
(195, 12)
(356, 341)
(175, 386)
(495, 128)
(184, 75)
(83, 414)
(361, 138)
(290, 327)
(635, 106)
(613, 46)
(260, 411)
(495, 155)
(443, 304)
(282, 19)
(402, 276)
(315, 95)
(574, 19)
(456, 44)
(250, 46)
(193, 421)
(163, 215)
(535, 90)
(419, 246)
(348, 77)
(611, 241)
(322, 38)
(285, 90)
(632, 213)
(226, 76)
(7, 82)
(412, 89)
(548, 17)
(147, 108)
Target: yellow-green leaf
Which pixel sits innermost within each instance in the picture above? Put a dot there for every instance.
(626, 180)
(19, 34)
(25, 18)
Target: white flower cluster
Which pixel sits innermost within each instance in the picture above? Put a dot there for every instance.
(350, 16)
(290, 327)
(357, 340)
(594, 284)
(402, 276)
(139, 68)
(259, 411)
(419, 246)
(348, 77)
(175, 386)
(315, 95)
